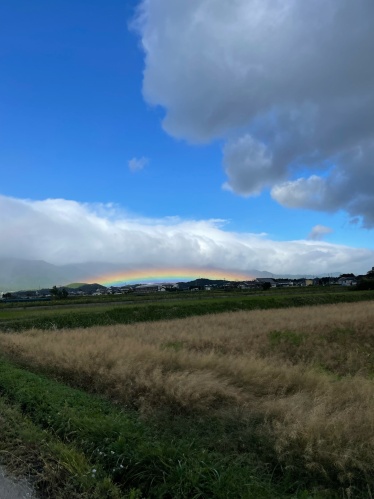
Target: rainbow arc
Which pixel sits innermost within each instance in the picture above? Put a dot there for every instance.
(167, 275)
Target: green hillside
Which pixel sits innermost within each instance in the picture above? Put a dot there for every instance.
(75, 285)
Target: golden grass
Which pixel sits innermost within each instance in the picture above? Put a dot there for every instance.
(306, 373)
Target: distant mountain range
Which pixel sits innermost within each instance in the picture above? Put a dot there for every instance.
(17, 274)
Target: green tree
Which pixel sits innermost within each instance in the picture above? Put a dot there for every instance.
(59, 293)
(365, 285)
(54, 291)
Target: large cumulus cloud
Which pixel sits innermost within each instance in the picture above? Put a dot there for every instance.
(287, 84)
(61, 231)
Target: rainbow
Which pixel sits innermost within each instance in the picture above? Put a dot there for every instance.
(135, 276)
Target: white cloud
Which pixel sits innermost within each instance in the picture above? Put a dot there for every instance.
(61, 231)
(289, 84)
(310, 193)
(350, 185)
(319, 232)
(136, 164)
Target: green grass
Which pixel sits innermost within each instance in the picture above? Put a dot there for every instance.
(87, 316)
(181, 295)
(288, 337)
(66, 434)
(54, 468)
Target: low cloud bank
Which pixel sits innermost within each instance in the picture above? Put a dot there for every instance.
(61, 231)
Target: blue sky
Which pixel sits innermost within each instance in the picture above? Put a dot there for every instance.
(74, 112)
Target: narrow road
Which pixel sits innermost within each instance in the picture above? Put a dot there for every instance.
(14, 489)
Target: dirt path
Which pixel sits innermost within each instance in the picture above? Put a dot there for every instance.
(14, 489)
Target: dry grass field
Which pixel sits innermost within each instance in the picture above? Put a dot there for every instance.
(304, 374)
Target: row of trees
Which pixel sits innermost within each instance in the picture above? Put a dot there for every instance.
(367, 282)
(60, 293)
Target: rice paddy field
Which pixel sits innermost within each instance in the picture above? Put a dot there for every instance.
(272, 401)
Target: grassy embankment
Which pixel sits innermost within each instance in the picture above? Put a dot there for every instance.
(290, 390)
(78, 445)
